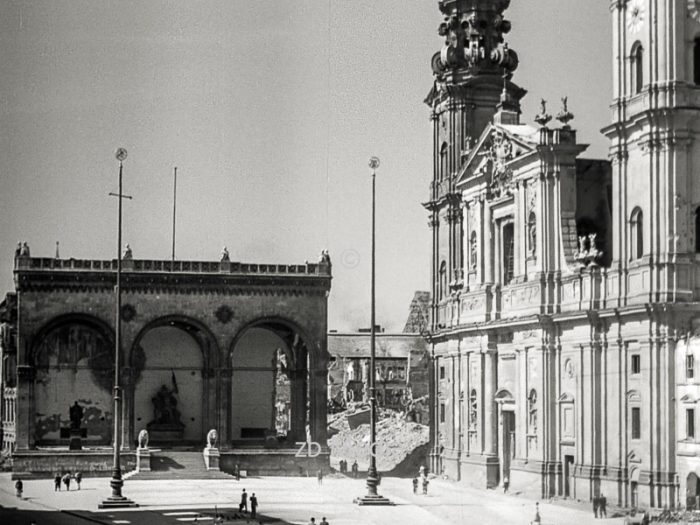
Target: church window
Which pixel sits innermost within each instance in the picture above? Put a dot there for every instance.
(636, 234)
(696, 61)
(532, 233)
(473, 408)
(636, 364)
(532, 411)
(636, 422)
(689, 366)
(442, 412)
(442, 372)
(443, 161)
(690, 423)
(697, 230)
(443, 279)
(637, 68)
(508, 255)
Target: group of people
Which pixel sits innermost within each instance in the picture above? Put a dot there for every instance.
(243, 505)
(600, 507)
(66, 479)
(322, 522)
(421, 478)
(355, 469)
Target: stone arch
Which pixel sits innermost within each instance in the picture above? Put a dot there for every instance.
(73, 359)
(174, 399)
(278, 394)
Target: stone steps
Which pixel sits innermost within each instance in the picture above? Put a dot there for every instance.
(177, 464)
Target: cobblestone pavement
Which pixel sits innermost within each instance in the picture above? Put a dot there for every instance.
(295, 500)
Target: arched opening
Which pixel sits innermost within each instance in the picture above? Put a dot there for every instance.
(696, 61)
(692, 491)
(507, 254)
(270, 398)
(74, 360)
(170, 398)
(169, 391)
(637, 59)
(636, 234)
(443, 162)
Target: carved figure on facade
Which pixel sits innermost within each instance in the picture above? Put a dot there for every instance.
(225, 257)
(473, 410)
(24, 250)
(588, 252)
(127, 253)
(532, 411)
(565, 116)
(542, 118)
(499, 154)
(532, 233)
(473, 247)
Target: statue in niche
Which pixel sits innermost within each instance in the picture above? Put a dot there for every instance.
(165, 410)
(532, 411)
(532, 234)
(76, 415)
(472, 251)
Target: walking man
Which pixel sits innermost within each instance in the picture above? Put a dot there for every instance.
(18, 487)
(602, 503)
(243, 506)
(425, 486)
(323, 521)
(237, 472)
(415, 485)
(506, 484)
(320, 476)
(78, 478)
(57, 482)
(253, 505)
(66, 481)
(355, 469)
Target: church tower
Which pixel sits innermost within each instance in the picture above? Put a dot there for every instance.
(655, 146)
(470, 72)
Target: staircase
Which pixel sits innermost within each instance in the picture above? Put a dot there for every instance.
(177, 464)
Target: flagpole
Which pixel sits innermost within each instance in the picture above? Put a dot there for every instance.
(174, 210)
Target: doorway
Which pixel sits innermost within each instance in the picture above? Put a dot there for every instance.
(692, 491)
(508, 441)
(568, 475)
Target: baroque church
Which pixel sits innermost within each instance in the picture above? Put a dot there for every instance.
(565, 309)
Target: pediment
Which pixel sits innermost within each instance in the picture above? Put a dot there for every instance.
(565, 398)
(490, 160)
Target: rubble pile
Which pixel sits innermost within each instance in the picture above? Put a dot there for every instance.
(397, 440)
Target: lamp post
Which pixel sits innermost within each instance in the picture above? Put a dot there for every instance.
(372, 497)
(116, 500)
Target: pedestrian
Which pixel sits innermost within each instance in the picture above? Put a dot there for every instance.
(415, 485)
(537, 519)
(253, 505)
(323, 521)
(425, 486)
(237, 472)
(57, 482)
(66, 481)
(320, 476)
(506, 484)
(596, 506)
(355, 469)
(18, 487)
(243, 506)
(602, 504)
(313, 521)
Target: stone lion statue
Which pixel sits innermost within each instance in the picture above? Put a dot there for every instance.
(212, 436)
(143, 439)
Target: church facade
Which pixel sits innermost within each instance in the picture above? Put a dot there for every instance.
(566, 290)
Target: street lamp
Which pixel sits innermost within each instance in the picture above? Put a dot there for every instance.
(116, 500)
(372, 498)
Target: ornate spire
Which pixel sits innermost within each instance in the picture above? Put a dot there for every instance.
(473, 32)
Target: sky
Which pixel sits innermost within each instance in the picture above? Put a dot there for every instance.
(270, 116)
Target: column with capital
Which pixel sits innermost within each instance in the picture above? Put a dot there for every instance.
(490, 357)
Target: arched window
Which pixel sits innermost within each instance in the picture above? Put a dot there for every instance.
(637, 59)
(696, 62)
(636, 234)
(443, 161)
(443, 279)
(473, 409)
(697, 230)
(508, 249)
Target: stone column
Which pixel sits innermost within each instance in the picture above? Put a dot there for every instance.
(297, 379)
(24, 422)
(490, 409)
